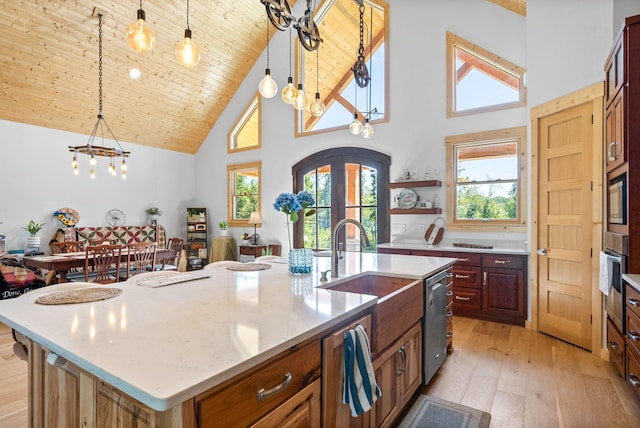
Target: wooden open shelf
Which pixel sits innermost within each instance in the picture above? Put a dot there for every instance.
(423, 183)
(415, 211)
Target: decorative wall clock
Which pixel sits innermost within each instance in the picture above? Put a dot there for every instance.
(116, 217)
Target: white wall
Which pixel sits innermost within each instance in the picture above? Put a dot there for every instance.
(562, 47)
(37, 179)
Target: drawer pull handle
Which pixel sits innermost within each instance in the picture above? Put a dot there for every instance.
(466, 299)
(613, 345)
(449, 293)
(634, 336)
(463, 276)
(463, 260)
(449, 334)
(484, 279)
(449, 313)
(449, 275)
(633, 380)
(265, 393)
(502, 262)
(634, 302)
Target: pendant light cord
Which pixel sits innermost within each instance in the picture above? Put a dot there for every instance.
(187, 14)
(370, 57)
(317, 68)
(267, 43)
(290, 48)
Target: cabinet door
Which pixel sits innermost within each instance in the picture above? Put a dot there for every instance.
(503, 293)
(301, 410)
(615, 141)
(398, 372)
(336, 414)
(615, 344)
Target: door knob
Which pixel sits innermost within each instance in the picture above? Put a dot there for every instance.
(542, 251)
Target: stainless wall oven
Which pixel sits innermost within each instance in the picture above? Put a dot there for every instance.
(616, 250)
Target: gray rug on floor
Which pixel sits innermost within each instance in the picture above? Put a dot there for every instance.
(432, 412)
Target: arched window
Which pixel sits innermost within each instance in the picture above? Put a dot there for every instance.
(346, 182)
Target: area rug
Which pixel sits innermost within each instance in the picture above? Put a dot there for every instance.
(432, 412)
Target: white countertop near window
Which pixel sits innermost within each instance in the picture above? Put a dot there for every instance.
(499, 246)
(164, 345)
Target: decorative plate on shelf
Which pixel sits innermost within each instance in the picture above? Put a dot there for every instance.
(407, 199)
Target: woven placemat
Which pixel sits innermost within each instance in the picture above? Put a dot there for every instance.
(250, 266)
(79, 295)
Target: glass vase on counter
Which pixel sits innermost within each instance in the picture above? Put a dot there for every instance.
(300, 261)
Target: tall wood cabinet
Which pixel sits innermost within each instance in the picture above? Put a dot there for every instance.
(622, 150)
(197, 237)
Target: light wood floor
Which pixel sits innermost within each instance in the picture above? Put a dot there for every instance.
(523, 378)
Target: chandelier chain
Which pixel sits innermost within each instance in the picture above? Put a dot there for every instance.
(361, 47)
(100, 65)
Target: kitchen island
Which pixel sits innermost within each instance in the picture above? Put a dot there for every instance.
(164, 346)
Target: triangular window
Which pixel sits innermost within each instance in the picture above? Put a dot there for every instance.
(479, 81)
(245, 134)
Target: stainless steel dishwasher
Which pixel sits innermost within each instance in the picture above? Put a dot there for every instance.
(434, 324)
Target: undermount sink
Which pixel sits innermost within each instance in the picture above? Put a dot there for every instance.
(372, 284)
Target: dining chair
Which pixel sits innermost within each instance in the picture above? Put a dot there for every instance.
(62, 247)
(170, 263)
(100, 262)
(140, 255)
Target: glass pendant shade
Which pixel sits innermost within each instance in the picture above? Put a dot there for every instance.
(289, 93)
(367, 129)
(139, 36)
(92, 160)
(356, 126)
(267, 86)
(187, 52)
(317, 107)
(301, 99)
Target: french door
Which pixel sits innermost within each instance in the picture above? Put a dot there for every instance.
(346, 182)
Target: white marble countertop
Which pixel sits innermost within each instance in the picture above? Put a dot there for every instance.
(632, 279)
(164, 345)
(499, 247)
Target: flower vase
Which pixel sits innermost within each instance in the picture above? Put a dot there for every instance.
(300, 261)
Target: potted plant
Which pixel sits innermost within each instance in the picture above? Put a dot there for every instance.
(223, 228)
(33, 242)
(154, 213)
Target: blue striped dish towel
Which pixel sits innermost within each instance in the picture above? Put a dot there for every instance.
(360, 387)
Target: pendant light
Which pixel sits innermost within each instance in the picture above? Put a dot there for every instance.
(301, 99)
(289, 93)
(267, 86)
(99, 150)
(139, 35)
(356, 126)
(187, 52)
(317, 107)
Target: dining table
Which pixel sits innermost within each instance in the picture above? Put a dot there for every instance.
(64, 262)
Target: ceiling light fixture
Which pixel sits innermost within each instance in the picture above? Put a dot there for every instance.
(187, 52)
(362, 78)
(139, 35)
(267, 86)
(90, 148)
(279, 13)
(317, 106)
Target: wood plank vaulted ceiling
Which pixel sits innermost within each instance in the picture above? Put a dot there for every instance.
(49, 61)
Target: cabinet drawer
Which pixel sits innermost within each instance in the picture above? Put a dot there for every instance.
(633, 300)
(427, 253)
(507, 262)
(449, 293)
(466, 299)
(466, 276)
(633, 332)
(465, 259)
(615, 345)
(238, 403)
(633, 373)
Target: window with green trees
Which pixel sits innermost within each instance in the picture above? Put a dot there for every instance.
(244, 192)
(487, 180)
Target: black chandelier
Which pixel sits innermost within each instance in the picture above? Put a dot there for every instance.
(279, 12)
(91, 149)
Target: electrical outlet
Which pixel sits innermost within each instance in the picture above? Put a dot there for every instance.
(423, 228)
(398, 228)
